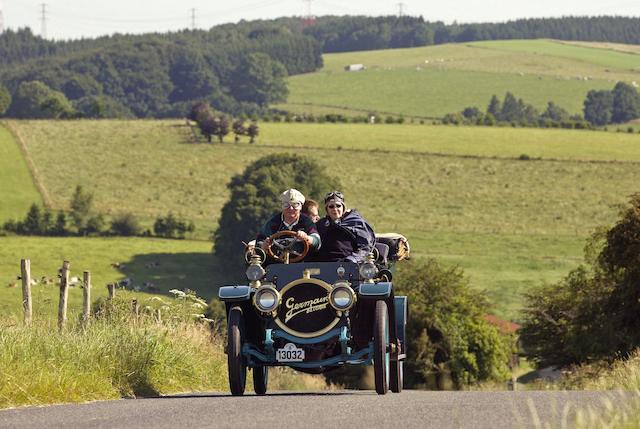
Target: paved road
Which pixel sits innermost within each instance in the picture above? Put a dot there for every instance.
(349, 409)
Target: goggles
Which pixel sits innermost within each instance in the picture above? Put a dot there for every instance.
(334, 195)
(295, 205)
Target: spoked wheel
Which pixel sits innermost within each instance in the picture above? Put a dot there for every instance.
(380, 354)
(260, 379)
(396, 376)
(236, 363)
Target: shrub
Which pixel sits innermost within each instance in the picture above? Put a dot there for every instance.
(446, 331)
(172, 227)
(126, 225)
(593, 312)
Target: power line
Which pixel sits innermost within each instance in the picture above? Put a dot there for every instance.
(193, 18)
(400, 10)
(43, 18)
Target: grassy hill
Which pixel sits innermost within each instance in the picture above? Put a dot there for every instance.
(460, 194)
(434, 80)
(17, 191)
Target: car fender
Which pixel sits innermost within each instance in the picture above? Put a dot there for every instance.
(234, 293)
(375, 290)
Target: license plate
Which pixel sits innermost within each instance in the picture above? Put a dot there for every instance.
(290, 353)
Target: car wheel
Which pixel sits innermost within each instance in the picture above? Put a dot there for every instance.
(396, 376)
(260, 379)
(380, 354)
(236, 364)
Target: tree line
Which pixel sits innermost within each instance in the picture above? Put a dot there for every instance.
(355, 33)
(600, 107)
(82, 220)
(237, 68)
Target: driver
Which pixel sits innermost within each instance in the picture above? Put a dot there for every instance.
(346, 235)
(290, 219)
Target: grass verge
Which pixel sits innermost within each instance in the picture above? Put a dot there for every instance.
(118, 356)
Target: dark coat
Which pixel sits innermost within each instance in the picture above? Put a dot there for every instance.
(350, 238)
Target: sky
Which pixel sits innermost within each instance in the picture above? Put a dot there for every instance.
(72, 19)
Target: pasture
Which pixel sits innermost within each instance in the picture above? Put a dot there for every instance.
(461, 195)
(434, 80)
(17, 192)
(154, 266)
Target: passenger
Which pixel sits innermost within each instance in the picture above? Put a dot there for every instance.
(290, 219)
(310, 208)
(345, 234)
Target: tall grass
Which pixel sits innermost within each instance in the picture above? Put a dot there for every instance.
(108, 359)
(121, 355)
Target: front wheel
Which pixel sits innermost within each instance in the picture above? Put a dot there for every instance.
(260, 379)
(380, 354)
(235, 360)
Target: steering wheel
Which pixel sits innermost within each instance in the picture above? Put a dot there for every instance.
(283, 242)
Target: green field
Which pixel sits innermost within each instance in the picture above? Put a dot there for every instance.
(17, 192)
(434, 80)
(167, 264)
(511, 224)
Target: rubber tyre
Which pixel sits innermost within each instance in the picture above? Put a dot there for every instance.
(260, 379)
(236, 364)
(380, 355)
(396, 376)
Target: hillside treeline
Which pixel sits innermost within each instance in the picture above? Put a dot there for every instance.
(158, 75)
(237, 68)
(348, 33)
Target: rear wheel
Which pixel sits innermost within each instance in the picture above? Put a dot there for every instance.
(380, 354)
(396, 376)
(260, 379)
(236, 364)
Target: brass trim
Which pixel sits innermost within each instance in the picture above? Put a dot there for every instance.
(318, 282)
(310, 334)
(354, 297)
(278, 300)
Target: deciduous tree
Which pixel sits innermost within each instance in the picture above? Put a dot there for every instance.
(254, 197)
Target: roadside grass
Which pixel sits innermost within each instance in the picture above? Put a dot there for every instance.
(118, 355)
(434, 80)
(510, 223)
(621, 408)
(109, 359)
(17, 192)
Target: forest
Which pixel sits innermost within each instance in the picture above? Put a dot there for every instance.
(237, 68)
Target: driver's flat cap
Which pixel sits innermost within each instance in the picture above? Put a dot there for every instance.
(292, 196)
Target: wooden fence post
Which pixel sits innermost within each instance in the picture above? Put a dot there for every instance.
(64, 294)
(111, 287)
(25, 268)
(86, 297)
(135, 307)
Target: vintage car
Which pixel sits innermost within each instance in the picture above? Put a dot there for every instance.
(314, 316)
